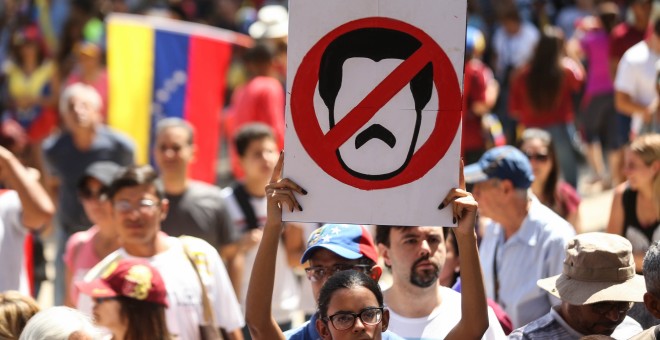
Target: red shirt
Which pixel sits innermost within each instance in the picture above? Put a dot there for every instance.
(261, 100)
(475, 80)
(623, 37)
(520, 106)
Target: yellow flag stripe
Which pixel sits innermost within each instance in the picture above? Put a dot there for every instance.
(131, 68)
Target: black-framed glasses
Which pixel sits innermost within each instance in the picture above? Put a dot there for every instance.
(605, 307)
(318, 273)
(145, 205)
(344, 320)
(539, 157)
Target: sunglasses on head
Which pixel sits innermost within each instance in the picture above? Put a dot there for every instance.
(538, 157)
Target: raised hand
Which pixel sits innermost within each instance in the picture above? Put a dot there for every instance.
(280, 192)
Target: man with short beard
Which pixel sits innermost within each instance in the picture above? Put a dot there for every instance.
(420, 308)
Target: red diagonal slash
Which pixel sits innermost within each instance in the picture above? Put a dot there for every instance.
(377, 98)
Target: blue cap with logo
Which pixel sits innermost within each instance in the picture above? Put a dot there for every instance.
(502, 162)
(349, 241)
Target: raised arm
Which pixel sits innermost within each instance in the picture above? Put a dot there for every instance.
(258, 315)
(37, 205)
(474, 315)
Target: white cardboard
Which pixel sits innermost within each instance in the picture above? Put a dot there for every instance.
(329, 200)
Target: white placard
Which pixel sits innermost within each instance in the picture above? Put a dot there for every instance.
(373, 109)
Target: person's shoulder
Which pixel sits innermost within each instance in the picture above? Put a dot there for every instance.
(545, 325)
(648, 334)
(299, 333)
(227, 192)
(550, 223)
(54, 141)
(195, 244)
(118, 136)
(387, 335)
(637, 54)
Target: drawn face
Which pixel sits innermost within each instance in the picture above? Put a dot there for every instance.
(381, 148)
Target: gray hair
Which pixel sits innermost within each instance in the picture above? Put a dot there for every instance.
(175, 122)
(80, 90)
(59, 323)
(651, 268)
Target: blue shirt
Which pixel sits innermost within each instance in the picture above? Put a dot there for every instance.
(536, 251)
(307, 331)
(66, 162)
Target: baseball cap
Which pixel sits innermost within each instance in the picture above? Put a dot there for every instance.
(502, 162)
(598, 267)
(349, 241)
(103, 171)
(131, 278)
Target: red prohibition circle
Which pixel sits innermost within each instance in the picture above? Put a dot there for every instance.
(322, 147)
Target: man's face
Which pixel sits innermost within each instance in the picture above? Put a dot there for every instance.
(416, 255)
(173, 151)
(385, 143)
(487, 193)
(323, 258)
(259, 159)
(598, 318)
(138, 213)
(81, 114)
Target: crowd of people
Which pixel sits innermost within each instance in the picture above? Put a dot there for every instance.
(147, 252)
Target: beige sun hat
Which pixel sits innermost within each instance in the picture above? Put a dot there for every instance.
(598, 267)
(272, 22)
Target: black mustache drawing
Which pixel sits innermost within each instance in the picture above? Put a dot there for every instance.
(375, 131)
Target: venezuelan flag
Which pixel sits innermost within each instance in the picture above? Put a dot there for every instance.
(161, 68)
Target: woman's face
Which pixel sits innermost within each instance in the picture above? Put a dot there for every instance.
(107, 313)
(539, 157)
(638, 173)
(354, 300)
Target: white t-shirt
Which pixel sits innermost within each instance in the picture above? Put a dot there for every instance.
(440, 322)
(13, 275)
(636, 73)
(184, 294)
(514, 50)
(286, 294)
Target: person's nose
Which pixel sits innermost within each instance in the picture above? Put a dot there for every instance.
(614, 315)
(425, 247)
(358, 326)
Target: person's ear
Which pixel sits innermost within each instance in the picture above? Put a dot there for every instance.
(652, 304)
(384, 251)
(386, 319)
(164, 208)
(323, 330)
(376, 272)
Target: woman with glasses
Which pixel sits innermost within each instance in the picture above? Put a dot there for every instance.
(635, 212)
(351, 303)
(85, 249)
(548, 186)
(130, 301)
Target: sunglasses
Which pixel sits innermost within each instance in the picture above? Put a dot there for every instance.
(539, 157)
(145, 206)
(603, 308)
(316, 274)
(88, 194)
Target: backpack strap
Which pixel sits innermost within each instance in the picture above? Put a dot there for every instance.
(243, 199)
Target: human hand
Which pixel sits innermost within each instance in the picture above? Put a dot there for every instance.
(464, 207)
(280, 192)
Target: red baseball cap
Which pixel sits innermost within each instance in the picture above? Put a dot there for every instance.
(132, 278)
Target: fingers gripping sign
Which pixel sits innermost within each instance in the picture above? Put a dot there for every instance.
(464, 207)
(280, 193)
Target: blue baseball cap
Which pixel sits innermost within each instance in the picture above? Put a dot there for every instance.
(349, 241)
(502, 162)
